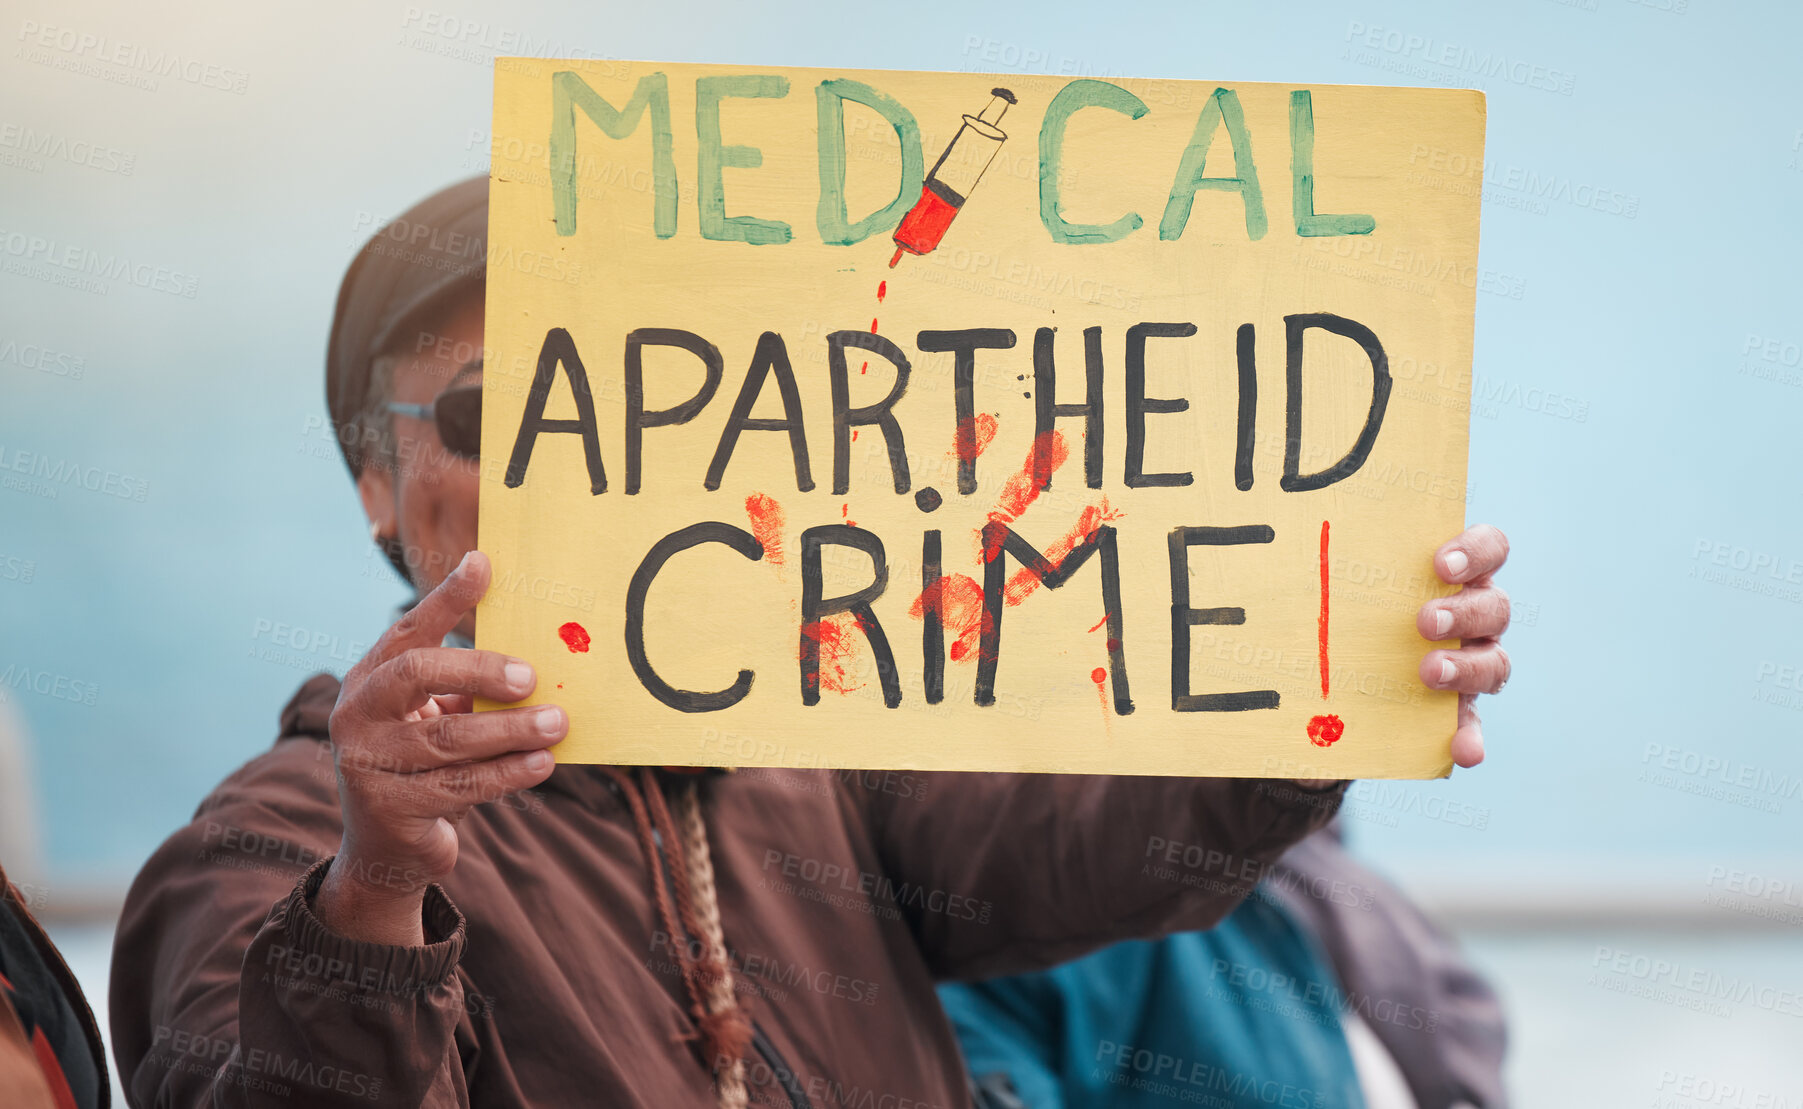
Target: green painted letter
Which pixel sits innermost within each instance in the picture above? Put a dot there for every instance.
(1074, 96)
(835, 223)
(1302, 173)
(1222, 108)
(714, 157)
(569, 92)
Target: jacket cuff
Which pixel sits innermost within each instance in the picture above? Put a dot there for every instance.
(379, 967)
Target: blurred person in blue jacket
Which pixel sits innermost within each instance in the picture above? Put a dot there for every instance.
(1325, 989)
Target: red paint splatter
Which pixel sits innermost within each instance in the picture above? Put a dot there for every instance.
(766, 524)
(1325, 731)
(1025, 581)
(560, 685)
(882, 290)
(1022, 488)
(845, 514)
(838, 651)
(1100, 677)
(865, 367)
(574, 636)
(1324, 617)
(959, 601)
(1100, 622)
(972, 436)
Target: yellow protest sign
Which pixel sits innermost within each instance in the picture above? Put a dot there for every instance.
(942, 420)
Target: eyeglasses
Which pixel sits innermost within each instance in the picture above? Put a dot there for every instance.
(457, 413)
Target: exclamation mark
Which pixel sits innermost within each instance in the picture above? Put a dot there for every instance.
(1326, 729)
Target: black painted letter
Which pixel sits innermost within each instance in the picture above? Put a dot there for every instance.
(814, 607)
(558, 348)
(965, 344)
(637, 418)
(1294, 326)
(771, 357)
(1247, 350)
(682, 700)
(1184, 617)
(1000, 539)
(1138, 404)
(1045, 394)
(846, 417)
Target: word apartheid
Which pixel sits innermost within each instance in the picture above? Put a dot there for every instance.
(770, 361)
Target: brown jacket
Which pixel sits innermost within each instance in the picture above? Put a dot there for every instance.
(547, 979)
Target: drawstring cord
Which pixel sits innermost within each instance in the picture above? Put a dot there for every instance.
(725, 1027)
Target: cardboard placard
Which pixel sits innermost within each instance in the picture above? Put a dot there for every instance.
(942, 420)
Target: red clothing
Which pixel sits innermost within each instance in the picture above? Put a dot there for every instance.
(51, 1056)
(547, 979)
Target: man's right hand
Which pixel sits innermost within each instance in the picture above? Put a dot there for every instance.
(412, 758)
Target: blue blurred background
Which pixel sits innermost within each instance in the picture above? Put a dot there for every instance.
(1638, 388)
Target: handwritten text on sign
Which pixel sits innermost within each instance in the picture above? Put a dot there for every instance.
(885, 419)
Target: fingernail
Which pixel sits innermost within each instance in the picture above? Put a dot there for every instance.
(463, 564)
(1442, 623)
(548, 721)
(518, 675)
(1447, 671)
(1456, 561)
(539, 761)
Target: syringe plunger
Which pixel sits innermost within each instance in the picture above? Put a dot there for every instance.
(998, 104)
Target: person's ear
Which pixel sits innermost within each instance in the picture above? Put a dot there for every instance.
(375, 487)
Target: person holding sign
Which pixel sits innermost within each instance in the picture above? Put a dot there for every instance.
(458, 920)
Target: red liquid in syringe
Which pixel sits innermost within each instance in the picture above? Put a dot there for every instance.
(952, 178)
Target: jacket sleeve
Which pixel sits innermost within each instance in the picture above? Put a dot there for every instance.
(1433, 1011)
(1005, 873)
(219, 999)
